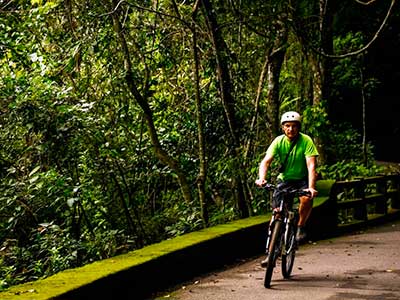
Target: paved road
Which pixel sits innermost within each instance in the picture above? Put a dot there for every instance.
(362, 265)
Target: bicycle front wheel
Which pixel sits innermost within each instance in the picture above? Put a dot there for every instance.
(289, 252)
(273, 251)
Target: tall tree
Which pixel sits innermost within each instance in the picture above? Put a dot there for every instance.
(202, 177)
(225, 89)
(274, 67)
(143, 103)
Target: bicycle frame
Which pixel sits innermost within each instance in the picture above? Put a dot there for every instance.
(286, 214)
(281, 240)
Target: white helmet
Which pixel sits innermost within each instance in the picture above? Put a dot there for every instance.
(291, 116)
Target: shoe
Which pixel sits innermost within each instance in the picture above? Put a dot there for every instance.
(301, 234)
(264, 262)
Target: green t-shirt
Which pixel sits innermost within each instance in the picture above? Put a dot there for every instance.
(296, 166)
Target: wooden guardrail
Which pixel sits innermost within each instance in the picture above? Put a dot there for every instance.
(346, 205)
(155, 267)
(365, 199)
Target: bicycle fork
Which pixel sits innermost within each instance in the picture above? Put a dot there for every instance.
(289, 221)
(274, 219)
(270, 228)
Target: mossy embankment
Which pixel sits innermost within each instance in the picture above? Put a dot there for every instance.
(158, 266)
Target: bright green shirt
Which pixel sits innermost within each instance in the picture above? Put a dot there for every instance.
(296, 166)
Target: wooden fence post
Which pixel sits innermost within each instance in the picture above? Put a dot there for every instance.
(381, 187)
(393, 191)
(360, 210)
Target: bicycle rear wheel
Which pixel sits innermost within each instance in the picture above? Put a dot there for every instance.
(289, 253)
(273, 251)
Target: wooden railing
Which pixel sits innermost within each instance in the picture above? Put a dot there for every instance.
(365, 199)
(146, 270)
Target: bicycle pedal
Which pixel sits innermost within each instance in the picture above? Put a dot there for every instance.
(264, 262)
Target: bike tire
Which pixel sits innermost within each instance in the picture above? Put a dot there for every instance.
(289, 253)
(273, 251)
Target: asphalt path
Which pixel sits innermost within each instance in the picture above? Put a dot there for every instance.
(361, 265)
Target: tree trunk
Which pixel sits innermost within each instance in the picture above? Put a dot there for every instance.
(364, 119)
(225, 88)
(326, 32)
(260, 86)
(273, 74)
(201, 179)
(161, 154)
(273, 101)
(322, 66)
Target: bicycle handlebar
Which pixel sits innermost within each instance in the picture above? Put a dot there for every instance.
(289, 191)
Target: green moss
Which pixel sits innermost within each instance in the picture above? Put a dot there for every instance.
(71, 279)
(324, 187)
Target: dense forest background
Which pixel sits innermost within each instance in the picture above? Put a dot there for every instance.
(124, 123)
(381, 63)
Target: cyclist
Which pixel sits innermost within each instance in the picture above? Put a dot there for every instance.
(297, 154)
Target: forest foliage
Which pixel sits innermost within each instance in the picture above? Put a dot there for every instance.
(124, 123)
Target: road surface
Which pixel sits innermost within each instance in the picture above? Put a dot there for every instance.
(361, 265)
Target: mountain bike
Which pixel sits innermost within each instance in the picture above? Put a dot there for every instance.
(281, 239)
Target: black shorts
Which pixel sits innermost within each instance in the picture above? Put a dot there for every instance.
(282, 185)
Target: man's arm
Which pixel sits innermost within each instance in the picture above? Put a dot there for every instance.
(312, 176)
(263, 169)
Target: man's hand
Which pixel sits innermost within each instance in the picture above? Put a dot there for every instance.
(261, 182)
(313, 192)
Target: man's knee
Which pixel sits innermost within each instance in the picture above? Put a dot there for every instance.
(307, 201)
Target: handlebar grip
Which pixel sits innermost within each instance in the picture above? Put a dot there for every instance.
(269, 186)
(298, 192)
(304, 193)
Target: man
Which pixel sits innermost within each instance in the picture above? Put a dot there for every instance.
(297, 166)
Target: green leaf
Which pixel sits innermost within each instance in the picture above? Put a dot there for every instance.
(33, 179)
(71, 201)
(34, 171)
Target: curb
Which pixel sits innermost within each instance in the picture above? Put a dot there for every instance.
(154, 268)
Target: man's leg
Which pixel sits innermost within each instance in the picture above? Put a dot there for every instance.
(305, 208)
